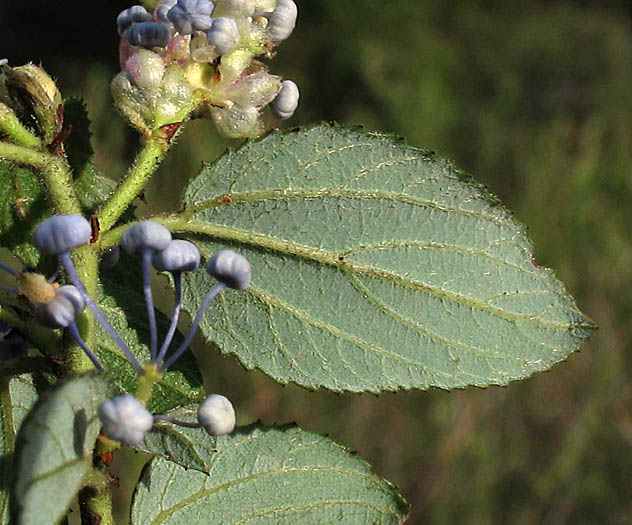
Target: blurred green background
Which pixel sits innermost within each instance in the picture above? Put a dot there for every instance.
(535, 100)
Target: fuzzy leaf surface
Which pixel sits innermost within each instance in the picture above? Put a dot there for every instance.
(54, 450)
(17, 395)
(191, 448)
(123, 303)
(268, 475)
(376, 266)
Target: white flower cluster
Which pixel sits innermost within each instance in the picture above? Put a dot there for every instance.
(201, 54)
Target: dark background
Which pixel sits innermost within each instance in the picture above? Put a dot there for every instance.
(535, 100)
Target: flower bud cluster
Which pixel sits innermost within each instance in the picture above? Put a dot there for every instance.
(125, 418)
(199, 56)
(59, 307)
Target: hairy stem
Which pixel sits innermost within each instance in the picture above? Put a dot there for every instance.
(96, 506)
(146, 163)
(11, 125)
(86, 265)
(146, 381)
(74, 331)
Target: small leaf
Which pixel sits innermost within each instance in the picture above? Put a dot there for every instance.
(268, 475)
(54, 450)
(376, 266)
(22, 206)
(123, 303)
(17, 395)
(77, 146)
(93, 189)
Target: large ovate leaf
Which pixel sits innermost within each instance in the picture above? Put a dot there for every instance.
(123, 303)
(376, 266)
(54, 450)
(268, 475)
(17, 395)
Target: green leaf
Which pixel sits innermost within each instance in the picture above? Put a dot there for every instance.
(376, 266)
(77, 146)
(123, 303)
(268, 475)
(17, 395)
(93, 188)
(54, 450)
(22, 206)
(191, 448)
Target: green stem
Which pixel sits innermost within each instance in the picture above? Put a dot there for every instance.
(11, 125)
(55, 173)
(86, 262)
(146, 383)
(96, 506)
(146, 163)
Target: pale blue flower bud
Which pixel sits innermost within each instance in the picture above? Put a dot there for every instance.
(61, 233)
(136, 13)
(230, 268)
(223, 34)
(282, 21)
(163, 9)
(179, 256)
(63, 309)
(191, 15)
(217, 415)
(148, 35)
(146, 235)
(125, 419)
(286, 102)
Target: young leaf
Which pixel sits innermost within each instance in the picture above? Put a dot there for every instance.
(268, 475)
(17, 395)
(54, 450)
(22, 206)
(77, 146)
(376, 266)
(123, 303)
(93, 188)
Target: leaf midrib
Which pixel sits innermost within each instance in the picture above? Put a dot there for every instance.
(342, 193)
(332, 259)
